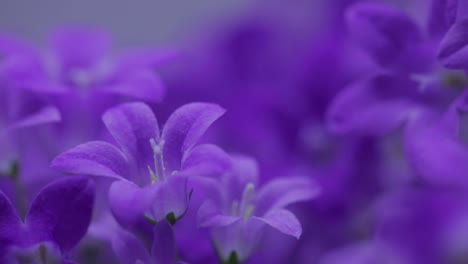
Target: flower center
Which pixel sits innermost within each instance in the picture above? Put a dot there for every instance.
(246, 206)
(158, 173)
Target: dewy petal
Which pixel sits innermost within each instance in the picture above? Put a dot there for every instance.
(133, 125)
(369, 107)
(442, 16)
(129, 249)
(282, 192)
(283, 221)
(61, 212)
(436, 154)
(163, 249)
(142, 84)
(47, 114)
(206, 159)
(10, 223)
(453, 51)
(209, 215)
(96, 158)
(385, 32)
(79, 47)
(184, 128)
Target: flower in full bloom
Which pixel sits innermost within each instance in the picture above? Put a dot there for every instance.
(151, 167)
(236, 213)
(57, 220)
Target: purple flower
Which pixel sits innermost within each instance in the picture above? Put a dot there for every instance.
(236, 213)
(413, 71)
(132, 251)
(151, 166)
(78, 60)
(59, 216)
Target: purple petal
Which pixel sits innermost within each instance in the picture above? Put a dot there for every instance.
(385, 32)
(142, 84)
(184, 128)
(373, 106)
(283, 221)
(96, 158)
(48, 114)
(10, 222)
(62, 211)
(164, 243)
(282, 192)
(133, 125)
(129, 203)
(443, 15)
(79, 47)
(436, 154)
(453, 51)
(209, 215)
(206, 159)
(171, 196)
(129, 249)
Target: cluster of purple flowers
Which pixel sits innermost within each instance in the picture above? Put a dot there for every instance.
(342, 142)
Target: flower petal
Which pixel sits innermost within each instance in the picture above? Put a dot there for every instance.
(62, 211)
(133, 125)
(453, 51)
(283, 221)
(129, 249)
(129, 203)
(184, 128)
(163, 249)
(47, 114)
(95, 158)
(171, 196)
(206, 159)
(385, 32)
(282, 192)
(443, 15)
(436, 154)
(209, 215)
(373, 106)
(10, 222)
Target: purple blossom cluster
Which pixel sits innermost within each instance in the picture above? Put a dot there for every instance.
(272, 139)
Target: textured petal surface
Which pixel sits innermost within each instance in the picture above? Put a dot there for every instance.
(206, 159)
(283, 221)
(184, 128)
(96, 158)
(133, 125)
(61, 213)
(10, 223)
(210, 215)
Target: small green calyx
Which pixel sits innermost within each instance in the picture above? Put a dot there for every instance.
(233, 259)
(171, 218)
(455, 79)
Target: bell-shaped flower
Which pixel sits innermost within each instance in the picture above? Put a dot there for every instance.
(151, 167)
(56, 221)
(236, 213)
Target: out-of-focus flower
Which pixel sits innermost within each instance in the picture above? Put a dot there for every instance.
(57, 219)
(236, 213)
(412, 70)
(151, 166)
